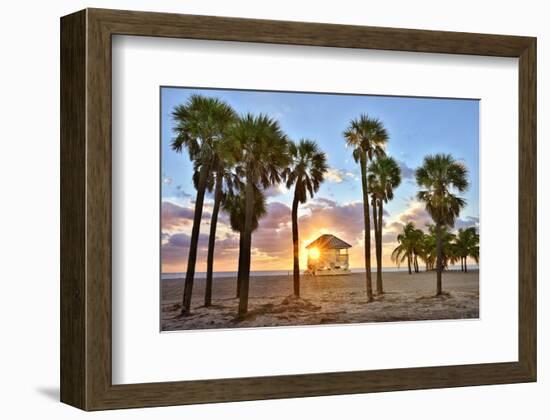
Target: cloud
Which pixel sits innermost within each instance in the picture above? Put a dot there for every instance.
(417, 214)
(326, 216)
(469, 221)
(275, 190)
(175, 217)
(338, 176)
(183, 240)
(406, 171)
(228, 244)
(273, 238)
(167, 180)
(181, 193)
(334, 175)
(320, 202)
(175, 250)
(272, 241)
(278, 215)
(323, 216)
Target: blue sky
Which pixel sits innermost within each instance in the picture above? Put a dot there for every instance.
(417, 127)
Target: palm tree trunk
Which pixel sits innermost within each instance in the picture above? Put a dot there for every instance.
(240, 267)
(416, 268)
(295, 247)
(465, 265)
(247, 245)
(409, 262)
(375, 223)
(193, 245)
(439, 262)
(375, 218)
(379, 285)
(366, 218)
(212, 241)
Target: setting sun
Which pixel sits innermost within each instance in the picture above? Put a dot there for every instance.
(314, 253)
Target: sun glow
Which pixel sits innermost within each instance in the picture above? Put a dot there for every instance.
(314, 253)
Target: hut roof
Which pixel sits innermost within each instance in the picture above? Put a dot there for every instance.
(328, 242)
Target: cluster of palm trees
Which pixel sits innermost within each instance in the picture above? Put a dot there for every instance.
(440, 177)
(380, 175)
(238, 158)
(414, 244)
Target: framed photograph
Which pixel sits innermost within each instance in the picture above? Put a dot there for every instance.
(257, 209)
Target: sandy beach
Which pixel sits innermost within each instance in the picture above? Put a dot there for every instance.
(324, 300)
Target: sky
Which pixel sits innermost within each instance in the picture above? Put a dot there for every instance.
(417, 127)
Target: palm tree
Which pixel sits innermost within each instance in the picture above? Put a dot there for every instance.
(223, 181)
(235, 206)
(467, 245)
(427, 250)
(409, 241)
(428, 247)
(306, 173)
(199, 124)
(368, 137)
(418, 248)
(261, 148)
(448, 248)
(474, 252)
(384, 177)
(440, 175)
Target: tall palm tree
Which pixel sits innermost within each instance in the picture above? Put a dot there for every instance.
(467, 245)
(305, 173)
(408, 241)
(441, 175)
(368, 137)
(200, 124)
(235, 206)
(261, 148)
(223, 181)
(384, 177)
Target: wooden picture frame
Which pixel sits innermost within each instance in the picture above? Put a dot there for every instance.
(86, 209)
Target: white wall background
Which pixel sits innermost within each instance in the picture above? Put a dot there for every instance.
(29, 215)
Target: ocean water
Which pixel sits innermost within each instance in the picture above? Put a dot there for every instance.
(266, 273)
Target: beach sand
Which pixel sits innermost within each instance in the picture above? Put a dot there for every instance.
(324, 300)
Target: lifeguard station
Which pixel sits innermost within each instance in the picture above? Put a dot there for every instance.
(328, 255)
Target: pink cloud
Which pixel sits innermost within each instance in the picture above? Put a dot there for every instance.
(272, 241)
(175, 217)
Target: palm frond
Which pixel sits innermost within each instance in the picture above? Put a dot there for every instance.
(439, 175)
